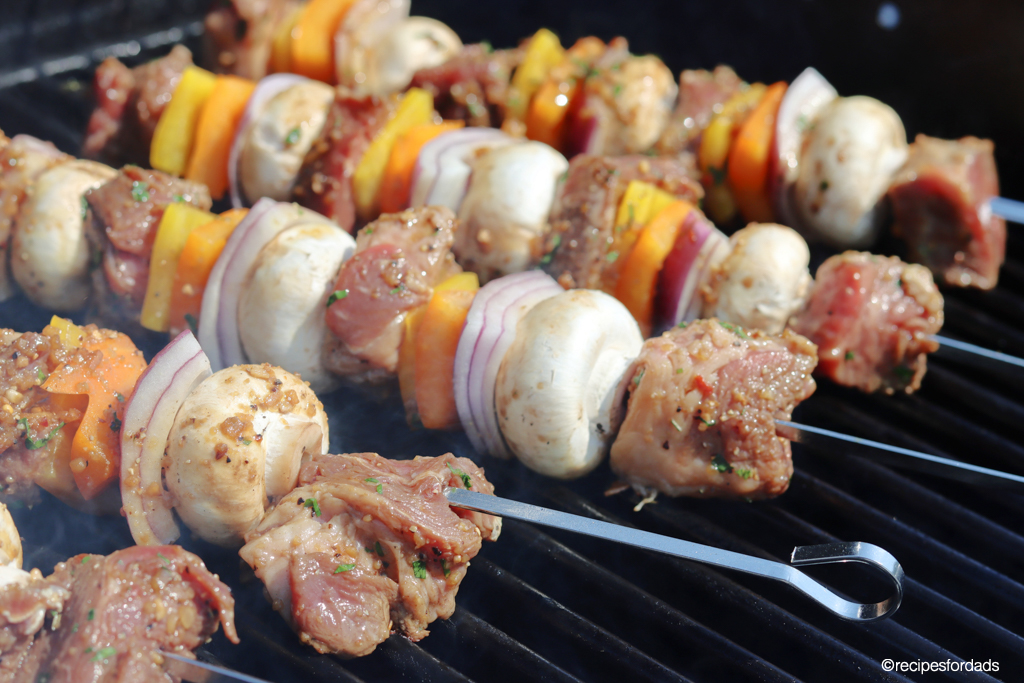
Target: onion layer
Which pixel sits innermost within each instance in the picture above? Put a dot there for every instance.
(265, 90)
(699, 247)
(441, 176)
(148, 418)
(489, 332)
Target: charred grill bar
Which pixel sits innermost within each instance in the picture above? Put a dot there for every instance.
(547, 605)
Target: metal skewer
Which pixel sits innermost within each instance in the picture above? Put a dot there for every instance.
(200, 672)
(977, 356)
(908, 459)
(827, 553)
(1010, 209)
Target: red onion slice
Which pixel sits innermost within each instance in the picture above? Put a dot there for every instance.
(699, 247)
(489, 332)
(218, 318)
(441, 176)
(148, 419)
(806, 96)
(265, 90)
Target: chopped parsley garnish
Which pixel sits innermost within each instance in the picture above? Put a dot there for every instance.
(466, 481)
(486, 45)
(744, 473)
(823, 186)
(140, 191)
(679, 371)
(612, 256)
(682, 324)
(163, 560)
(720, 464)
(312, 503)
(86, 559)
(444, 568)
(193, 324)
(36, 444)
(337, 295)
(119, 396)
(476, 109)
(247, 442)
(344, 568)
(92, 614)
(640, 376)
(293, 136)
(735, 329)
(368, 231)
(104, 653)
(849, 355)
(380, 550)
(44, 677)
(179, 199)
(675, 424)
(718, 174)
(399, 288)
(904, 373)
(85, 207)
(419, 569)
(41, 375)
(617, 90)
(373, 480)
(115, 424)
(709, 424)
(556, 241)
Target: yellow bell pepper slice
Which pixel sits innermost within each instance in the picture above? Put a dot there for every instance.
(543, 52)
(71, 335)
(462, 281)
(638, 207)
(176, 129)
(713, 154)
(178, 222)
(407, 366)
(415, 109)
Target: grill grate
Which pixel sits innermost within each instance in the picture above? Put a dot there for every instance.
(550, 606)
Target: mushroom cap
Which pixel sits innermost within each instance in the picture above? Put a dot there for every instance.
(49, 249)
(763, 281)
(281, 310)
(276, 142)
(846, 165)
(504, 215)
(237, 444)
(10, 541)
(559, 392)
(396, 54)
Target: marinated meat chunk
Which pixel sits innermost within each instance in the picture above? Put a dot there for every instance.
(626, 103)
(398, 260)
(872, 318)
(22, 160)
(584, 249)
(703, 402)
(117, 614)
(700, 92)
(239, 35)
(26, 598)
(126, 213)
(940, 205)
(473, 85)
(129, 104)
(324, 183)
(366, 544)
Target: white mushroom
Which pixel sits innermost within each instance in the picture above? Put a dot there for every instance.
(276, 142)
(415, 43)
(237, 444)
(764, 279)
(505, 213)
(846, 165)
(10, 541)
(281, 311)
(49, 250)
(559, 391)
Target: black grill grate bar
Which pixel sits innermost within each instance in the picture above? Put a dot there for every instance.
(918, 552)
(626, 610)
(483, 652)
(982, 328)
(270, 654)
(935, 604)
(722, 601)
(554, 631)
(406, 656)
(1005, 411)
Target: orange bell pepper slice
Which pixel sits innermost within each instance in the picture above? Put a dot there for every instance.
(407, 365)
(396, 186)
(280, 61)
(549, 110)
(95, 456)
(175, 132)
(312, 46)
(748, 158)
(200, 253)
(437, 340)
(639, 281)
(218, 121)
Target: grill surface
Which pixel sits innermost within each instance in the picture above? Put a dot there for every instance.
(555, 607)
